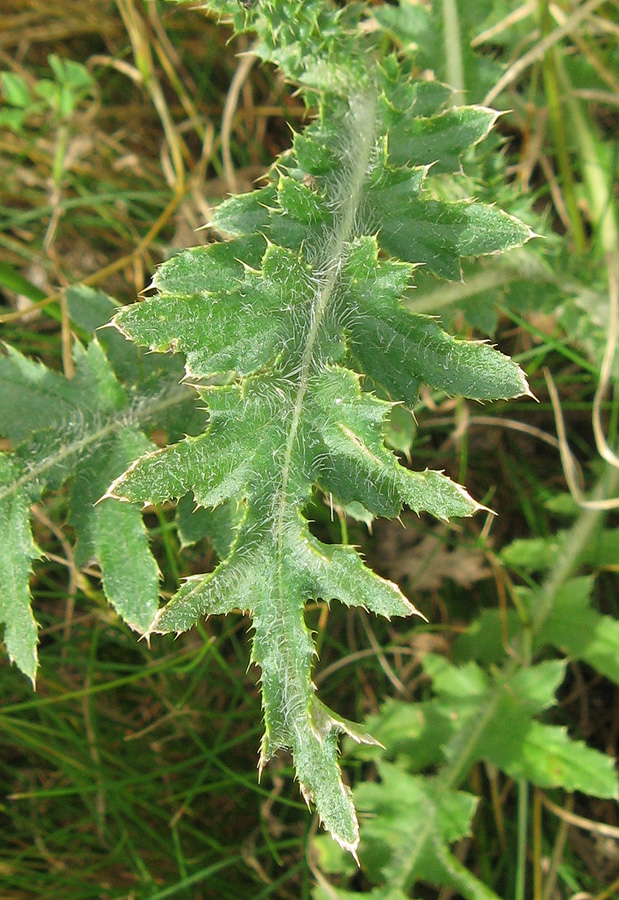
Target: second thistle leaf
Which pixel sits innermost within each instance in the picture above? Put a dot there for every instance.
(17, 551)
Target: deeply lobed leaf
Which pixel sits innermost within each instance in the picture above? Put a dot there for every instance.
(301, 314)
(86, 430)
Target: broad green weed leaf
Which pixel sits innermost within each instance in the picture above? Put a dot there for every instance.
(539, 554)
(422, 734)
(412, 819)
(547, 757)
(532, 554)
(486, 638)
(518, 746)
(536, 686)
(410, 823)
(576, 628)
(413, 734)
(461, 682)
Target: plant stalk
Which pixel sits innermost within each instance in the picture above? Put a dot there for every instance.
(454, 69)
(559, 136)
(523, 821)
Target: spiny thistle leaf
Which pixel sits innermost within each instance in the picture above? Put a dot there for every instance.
(87, 430)
(17, 551)
(296, 310)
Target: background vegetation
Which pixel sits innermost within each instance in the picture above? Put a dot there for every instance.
(131, 771)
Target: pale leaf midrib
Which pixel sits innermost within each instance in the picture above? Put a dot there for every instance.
(363, 119)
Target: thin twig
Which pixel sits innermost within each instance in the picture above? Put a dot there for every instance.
(360, 654)
(523, 12)
(567, 457)
(607, 364)
(393, 678)
(571, 818)
(557, 854)
(232, 99)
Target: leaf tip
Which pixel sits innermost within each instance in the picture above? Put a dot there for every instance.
(152, 628)
(348, 846)
(308, 796)
(28, 667)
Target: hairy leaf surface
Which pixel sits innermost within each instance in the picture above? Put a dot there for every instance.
(299, 313)
(86, 431)
(17, 551)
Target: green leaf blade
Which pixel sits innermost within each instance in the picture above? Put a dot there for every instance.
(439, 141)
(17, 551)
(576, 628)
(131, 576)
(44, 398)
(289, 329)
(438, 234)
(547, 757)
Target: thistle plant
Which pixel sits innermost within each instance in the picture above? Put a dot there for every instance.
(296, 341)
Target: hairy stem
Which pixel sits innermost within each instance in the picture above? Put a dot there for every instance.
(362, 112)
(281, 633)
